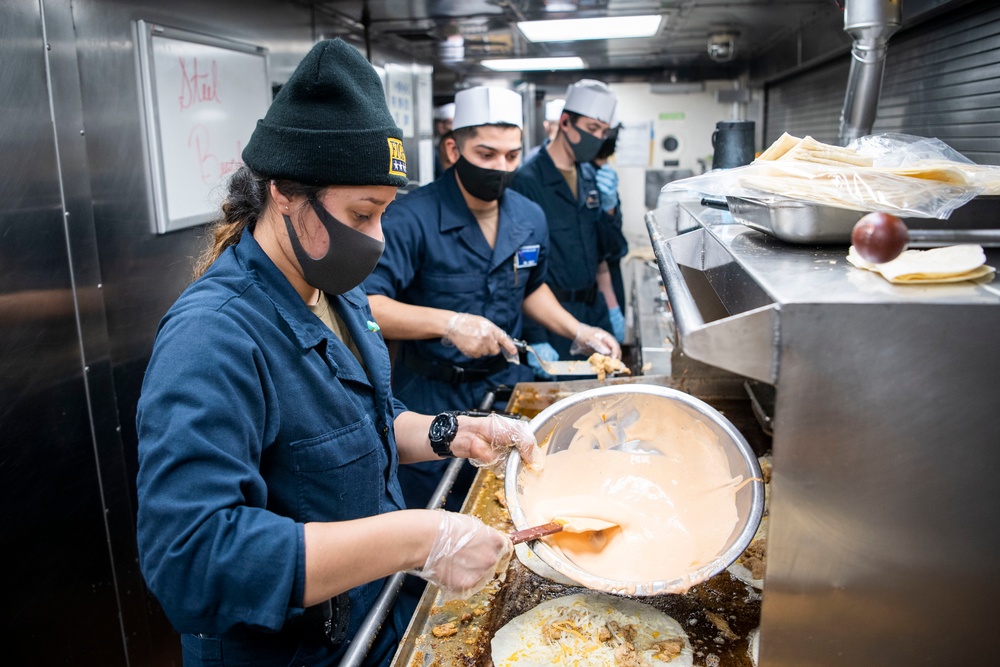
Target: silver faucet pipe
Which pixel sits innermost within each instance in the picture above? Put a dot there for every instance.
(870, 23)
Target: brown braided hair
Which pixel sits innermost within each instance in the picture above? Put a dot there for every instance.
(245, 203)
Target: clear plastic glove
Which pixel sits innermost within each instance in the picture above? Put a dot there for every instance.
(488, 441)
(465, 555)
(591, 339)
(545, 352)
(476, 336)
(607, 185)
(617, 323)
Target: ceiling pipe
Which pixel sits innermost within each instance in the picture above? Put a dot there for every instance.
(870, 23)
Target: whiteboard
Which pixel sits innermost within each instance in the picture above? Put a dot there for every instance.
(202, 97)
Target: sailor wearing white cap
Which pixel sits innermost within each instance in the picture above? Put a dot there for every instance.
(583, 232)
(443, 116)
(553, 110)
(464, 261)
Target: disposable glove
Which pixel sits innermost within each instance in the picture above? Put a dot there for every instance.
(476, 336)
(607, 185)
(591, 339)
(617, 323)
(545, 352)
(489, 441)
(465, 555)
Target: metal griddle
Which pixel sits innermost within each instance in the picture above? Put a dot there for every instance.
(478, 619)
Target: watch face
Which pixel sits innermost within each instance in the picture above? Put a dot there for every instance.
(443, 428)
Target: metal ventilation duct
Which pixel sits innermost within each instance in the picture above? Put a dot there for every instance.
(870, 23)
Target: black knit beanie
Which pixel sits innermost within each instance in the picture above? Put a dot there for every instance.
(329, 125)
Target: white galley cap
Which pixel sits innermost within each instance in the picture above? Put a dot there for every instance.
(591, 98)
(487, 105)
(554, 109)
(445, 111)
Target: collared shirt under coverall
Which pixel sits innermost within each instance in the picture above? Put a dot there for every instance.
(437, 256)
(255, 419)
(581, 236)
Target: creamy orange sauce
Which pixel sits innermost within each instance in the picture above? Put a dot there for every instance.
(659, 473)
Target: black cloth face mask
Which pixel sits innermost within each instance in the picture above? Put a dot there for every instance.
(351, 257)
(481, 183)
(585, 149)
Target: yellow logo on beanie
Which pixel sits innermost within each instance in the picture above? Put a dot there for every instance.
(397, 158)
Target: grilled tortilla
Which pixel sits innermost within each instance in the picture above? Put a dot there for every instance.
(592, 630)
(938, 265)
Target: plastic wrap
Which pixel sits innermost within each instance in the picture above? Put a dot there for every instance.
(909, 176)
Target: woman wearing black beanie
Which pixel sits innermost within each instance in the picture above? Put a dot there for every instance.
(269, 508)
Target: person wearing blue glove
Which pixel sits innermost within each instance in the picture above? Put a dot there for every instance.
(561, 179)
(609, 273)
(542, 352)
(607, 185)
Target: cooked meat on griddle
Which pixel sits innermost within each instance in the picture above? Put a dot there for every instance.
(668, 649)
(723, 626)
(445, 629)
(626, 655)
(603, 364)
(754, 556)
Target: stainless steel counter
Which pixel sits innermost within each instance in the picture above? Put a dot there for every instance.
(883, 527)
(790, 273)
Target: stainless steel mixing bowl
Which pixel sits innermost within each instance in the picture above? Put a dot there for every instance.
(618, 404)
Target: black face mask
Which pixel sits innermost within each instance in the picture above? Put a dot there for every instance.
(485, 184)
(585, 149)
(351, 257)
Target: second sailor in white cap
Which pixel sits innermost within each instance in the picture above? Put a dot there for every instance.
(464, 262)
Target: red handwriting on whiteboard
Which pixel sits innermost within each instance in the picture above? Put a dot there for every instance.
(198, 86)
(211, 168)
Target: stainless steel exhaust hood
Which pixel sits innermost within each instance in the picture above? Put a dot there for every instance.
(870, 23)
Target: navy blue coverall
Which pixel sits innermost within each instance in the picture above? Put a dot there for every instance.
(437, 256)
(581, 235)
(254, 419)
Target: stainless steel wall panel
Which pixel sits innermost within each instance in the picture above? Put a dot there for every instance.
(55, 517)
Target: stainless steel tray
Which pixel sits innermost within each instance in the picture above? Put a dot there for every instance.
(795, 221)
(802, 222)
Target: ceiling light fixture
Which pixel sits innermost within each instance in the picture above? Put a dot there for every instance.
(606, 27)
(533, 64)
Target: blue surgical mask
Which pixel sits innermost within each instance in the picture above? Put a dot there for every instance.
(351, 257)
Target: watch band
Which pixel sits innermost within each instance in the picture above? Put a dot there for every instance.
(444, 427)
(442, 432)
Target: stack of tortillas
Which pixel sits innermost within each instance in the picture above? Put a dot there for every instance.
(807, 149)
(938, 265)
(809, 170)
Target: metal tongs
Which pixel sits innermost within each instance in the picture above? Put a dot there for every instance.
(574, 367)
